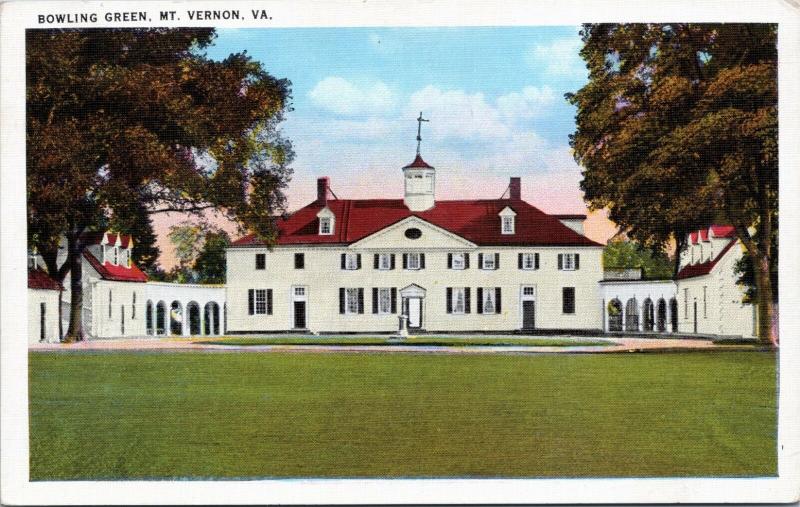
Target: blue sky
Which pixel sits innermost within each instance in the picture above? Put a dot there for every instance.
(494, 97)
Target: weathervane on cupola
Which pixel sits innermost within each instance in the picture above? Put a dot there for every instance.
(419, 130)
(420, 178)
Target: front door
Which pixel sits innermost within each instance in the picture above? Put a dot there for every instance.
(528, 315)
(414, 312)
(300, 314)
(299, 299)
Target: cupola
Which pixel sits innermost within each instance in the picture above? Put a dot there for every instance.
(419, 178)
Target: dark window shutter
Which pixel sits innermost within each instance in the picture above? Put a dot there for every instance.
(480, 261)
(466, 261)
(519, 261)
(377, 258)
(251, 303)
(360, 300)
(405, 261)
(498, 302)
(497, 261)
(466, 300)
(394, 299)
(560, 261)
(422, 261)
(480, 299)
(449, 300)
(392, 263)
(577, 261)
(449, 261)
(299, 261)
(358, 261)
(269, 301)
(344, 261)
(341, 300)
(536, 261)
(374, 300)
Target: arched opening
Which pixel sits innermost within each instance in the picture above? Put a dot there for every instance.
(614, 309)
(161, 318)
(661, 316)
(176, 318)
(148, 318)
(193, 310)
(631, 315)
(211, 314)
(673, 314)
(649, 315)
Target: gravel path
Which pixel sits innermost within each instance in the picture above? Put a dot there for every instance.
(621, 344)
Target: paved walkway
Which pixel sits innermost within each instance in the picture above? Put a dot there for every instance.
(622, 344)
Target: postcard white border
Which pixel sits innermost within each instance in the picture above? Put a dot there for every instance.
(15, 17)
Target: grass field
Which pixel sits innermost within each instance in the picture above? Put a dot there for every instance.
(249, 415)
(412, 340)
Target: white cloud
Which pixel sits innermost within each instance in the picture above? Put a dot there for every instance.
(340, 96)
(456, 114)
(529, 103)
(560, 58)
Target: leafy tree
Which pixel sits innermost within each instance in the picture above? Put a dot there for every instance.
(210, 264)
(622, 254)
(188, 240)
(677, 128)
(118, 119)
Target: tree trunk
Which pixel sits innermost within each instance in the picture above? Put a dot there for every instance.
(75, 330)
(767, 332)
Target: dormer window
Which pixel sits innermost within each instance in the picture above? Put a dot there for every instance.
(326, 222)
(507, 225)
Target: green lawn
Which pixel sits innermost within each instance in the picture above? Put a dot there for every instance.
(244, 415)
(412, 340)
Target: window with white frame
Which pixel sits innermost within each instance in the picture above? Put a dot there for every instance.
(568, 262)
(529, 291)
(351, 300)
(261, 301)
(528, 261)
(299, 291)
(413, 261)
(351, 261)
(384, 300)
(459, 299)
(384, 261)
(325, 225)
(488, 300)
(488, 261)
(508, 225)
(458, 261)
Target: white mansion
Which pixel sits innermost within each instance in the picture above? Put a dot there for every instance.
(417, 264)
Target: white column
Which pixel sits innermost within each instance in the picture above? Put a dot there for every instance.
(185, 327)
(202, 320)
(624, 305)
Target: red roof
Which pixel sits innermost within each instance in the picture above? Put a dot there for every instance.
(723, 231)
(39, 279)
(703, 234)
(418, 162)
(117, 273)
(704, 268)
(693, 237)
(476, 221)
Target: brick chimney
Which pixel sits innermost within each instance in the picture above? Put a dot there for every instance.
(323, 184)
(515, 188)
